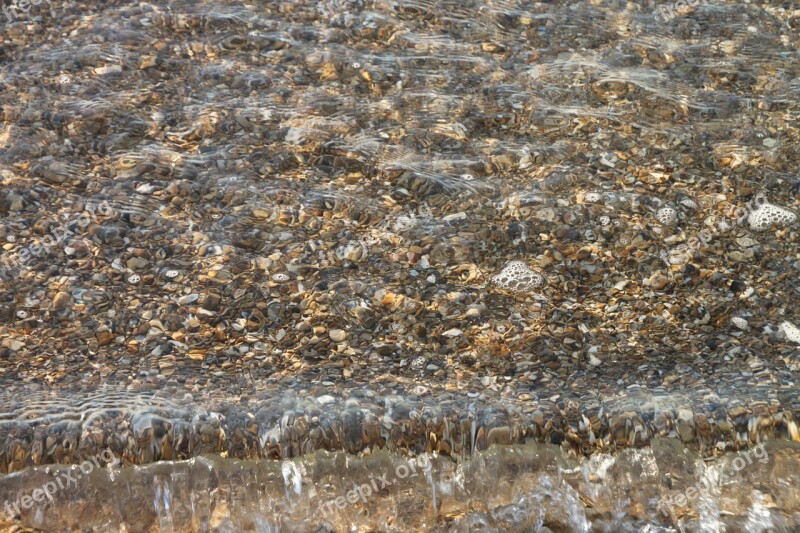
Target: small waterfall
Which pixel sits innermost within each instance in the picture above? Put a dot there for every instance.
(162, 502)
(505, 488)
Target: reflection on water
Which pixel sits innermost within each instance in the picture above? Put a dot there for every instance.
(400, 227)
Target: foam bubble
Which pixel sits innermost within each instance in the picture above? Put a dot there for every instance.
(516, 276)
(791, 331)
(678, 255)
(767, 215)
(592, 197)
(666, 215)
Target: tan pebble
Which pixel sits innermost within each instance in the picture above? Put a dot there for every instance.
(61, 301)
(136, 263)
(392, 300)
(105, 338)
(499, 435)
(111, 69)
(197, 355)
(337, 335)
(147, 62)
(13, 344)
(353, 178)
(328, 72)
(659, 282)
(794, 432)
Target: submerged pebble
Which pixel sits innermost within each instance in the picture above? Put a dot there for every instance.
(262, 230)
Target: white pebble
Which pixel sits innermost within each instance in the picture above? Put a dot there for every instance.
(740, 323)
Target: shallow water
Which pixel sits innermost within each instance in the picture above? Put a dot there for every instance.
(300, 222)
(517, 488)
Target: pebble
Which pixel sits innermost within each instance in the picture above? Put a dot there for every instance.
(13, 344)
(275, 219)
(740, 323)
(337, 335)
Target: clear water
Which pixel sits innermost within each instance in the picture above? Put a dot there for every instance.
(518, 488)
(340, 133)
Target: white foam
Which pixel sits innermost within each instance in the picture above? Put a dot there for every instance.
(666, 215)
(678, 255)
(791, 331)
(518, 277)
(592, 197)
(767, 215)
